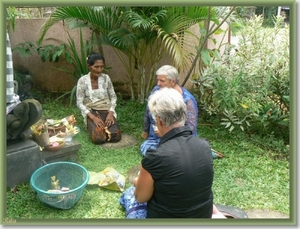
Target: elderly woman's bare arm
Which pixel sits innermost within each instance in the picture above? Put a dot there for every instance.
(144, 186)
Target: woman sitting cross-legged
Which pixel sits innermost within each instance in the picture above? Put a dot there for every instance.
(175, 179)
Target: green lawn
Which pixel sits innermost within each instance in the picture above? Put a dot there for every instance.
(251, 176)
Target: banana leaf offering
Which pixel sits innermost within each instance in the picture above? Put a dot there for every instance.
(109, 179)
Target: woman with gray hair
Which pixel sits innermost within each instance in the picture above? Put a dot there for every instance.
(169, 106)
(175, 180)
(167, 76)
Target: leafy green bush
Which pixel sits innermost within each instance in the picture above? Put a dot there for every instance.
(267, 12)
(248, 87)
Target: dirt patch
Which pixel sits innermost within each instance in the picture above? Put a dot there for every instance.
(126, 140)
(265, 213)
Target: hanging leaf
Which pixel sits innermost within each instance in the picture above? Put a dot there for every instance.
(219, 31)
(205, 56)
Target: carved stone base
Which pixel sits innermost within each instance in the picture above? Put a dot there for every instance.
(23, 157)
(67, 153)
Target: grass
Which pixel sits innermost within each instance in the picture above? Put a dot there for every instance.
(251, 176)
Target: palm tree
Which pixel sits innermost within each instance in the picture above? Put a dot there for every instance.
(137, 41)
(158, 31)
(143, 34)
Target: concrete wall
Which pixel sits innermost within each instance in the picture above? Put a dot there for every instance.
(46, 77)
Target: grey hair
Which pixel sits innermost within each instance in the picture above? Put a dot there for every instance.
(169, 106)
(169, 71)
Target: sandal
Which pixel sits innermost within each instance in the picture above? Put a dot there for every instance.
(216, 154)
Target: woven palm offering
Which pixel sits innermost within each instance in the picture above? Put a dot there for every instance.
(40, 133)
(63, 128)
(109, 178)
(55, 145)
(57, 126)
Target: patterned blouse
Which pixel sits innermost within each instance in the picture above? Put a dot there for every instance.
(85, 93)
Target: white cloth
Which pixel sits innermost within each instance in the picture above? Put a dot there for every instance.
(11, 98)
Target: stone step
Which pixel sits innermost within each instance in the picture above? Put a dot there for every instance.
(67, 153)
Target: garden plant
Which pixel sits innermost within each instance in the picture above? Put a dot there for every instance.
(258, 68)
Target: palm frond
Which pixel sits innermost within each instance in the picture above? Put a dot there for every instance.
(172, 32)
(79, 16)
(141, 20)
(123, 39)
(178, 54)
(193, 14)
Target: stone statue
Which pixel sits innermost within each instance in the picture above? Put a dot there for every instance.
(20, 116)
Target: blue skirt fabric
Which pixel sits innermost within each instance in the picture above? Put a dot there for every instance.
(149, 144)
(134, 210)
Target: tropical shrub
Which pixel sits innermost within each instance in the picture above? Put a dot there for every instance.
(248, 87)
(140, 36)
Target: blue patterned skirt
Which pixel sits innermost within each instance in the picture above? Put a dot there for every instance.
(134, 210)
